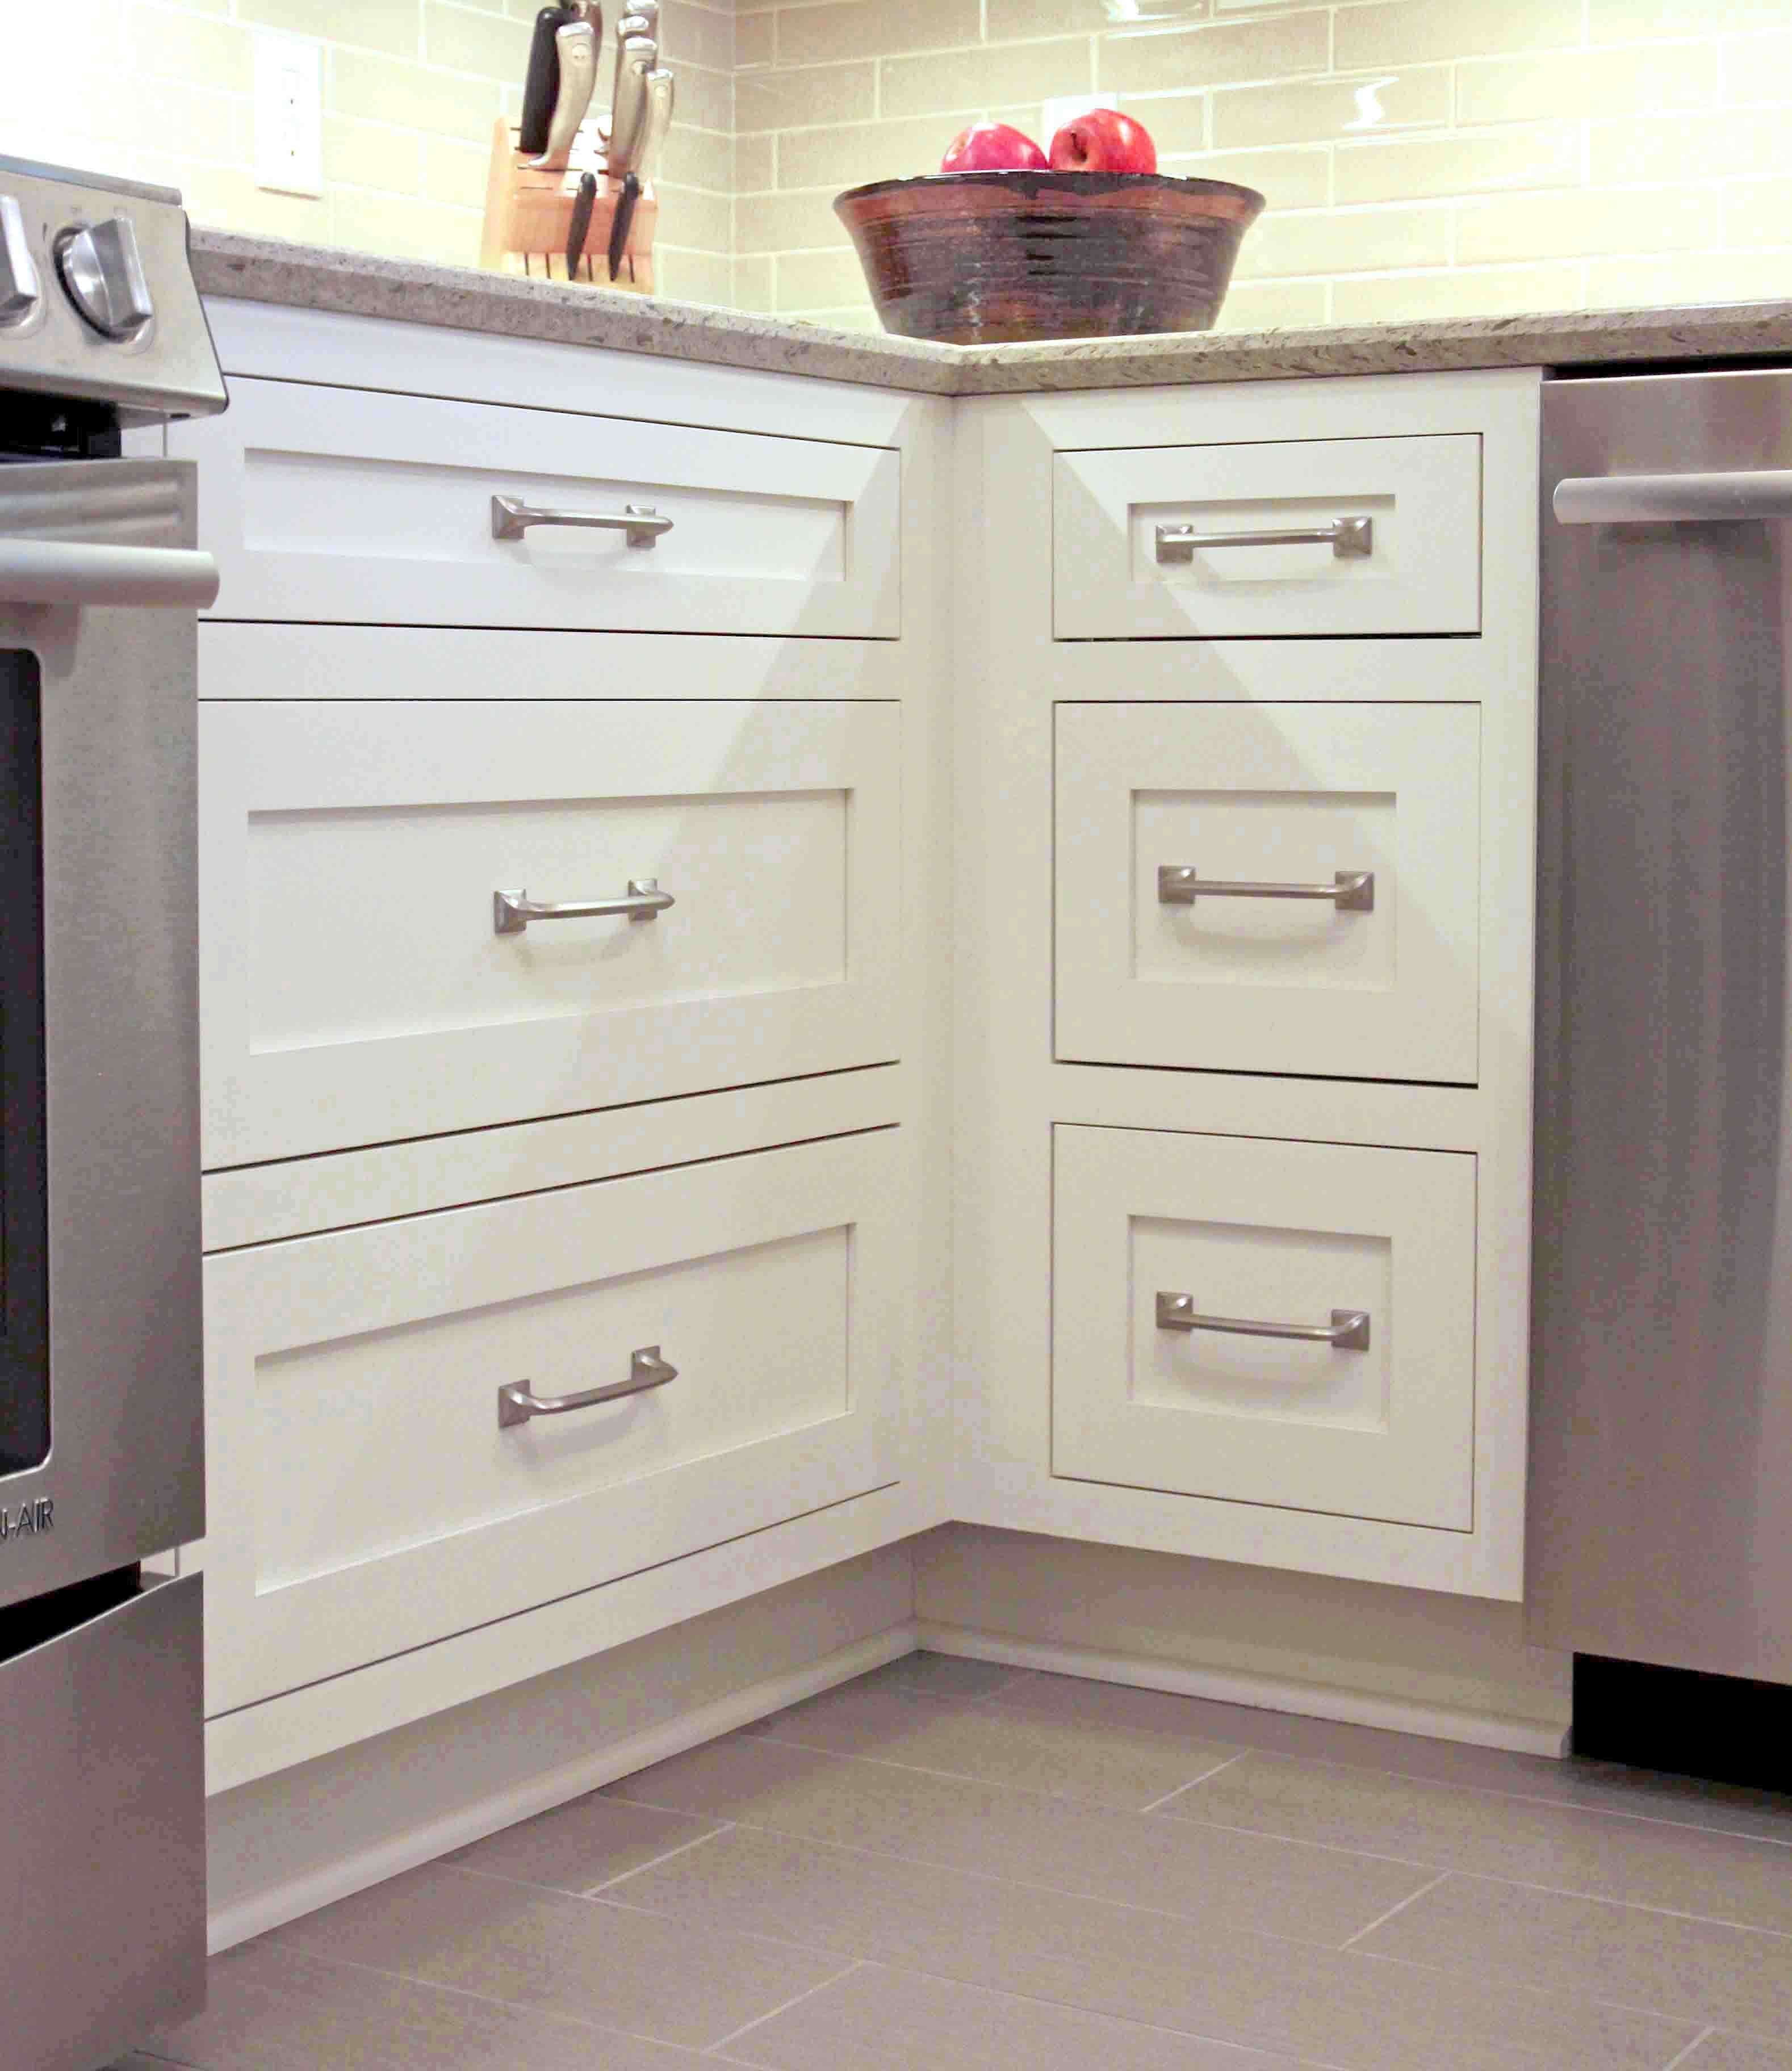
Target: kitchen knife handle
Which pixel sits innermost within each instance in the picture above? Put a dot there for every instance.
(578, 57)
(541, 85)
(511, 518)
(511, 912)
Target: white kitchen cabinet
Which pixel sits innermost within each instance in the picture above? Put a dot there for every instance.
(1270, 539)
(1288, 1324)
(346, 505)
(1277, 1108)
(364, 1495)
(359, 985)
(1274, 807)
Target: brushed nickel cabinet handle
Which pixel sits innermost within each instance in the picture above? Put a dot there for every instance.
(517, 1403)
(1350, 539)
(1348, 1330)
(511, 518)
(1181, 884)
(511, 912)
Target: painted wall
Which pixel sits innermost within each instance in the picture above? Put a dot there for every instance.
(412, 88)
(1422, 157)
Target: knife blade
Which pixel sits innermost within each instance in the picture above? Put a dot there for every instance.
(580, 229)
(578, 55)
(541, 83)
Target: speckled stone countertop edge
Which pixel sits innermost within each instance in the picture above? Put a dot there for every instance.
(253, 268)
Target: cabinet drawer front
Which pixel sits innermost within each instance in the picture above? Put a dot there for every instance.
(364, 1497)
(355, 987)
(1415, 568)
(1302, 1237)
(342, 505)
(1377, 981)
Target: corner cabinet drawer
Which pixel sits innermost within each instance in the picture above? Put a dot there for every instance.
(356, 987)
(1154, 1233)
(364, 1497)
(1340, 936)
(340, 504)
(1169, 542)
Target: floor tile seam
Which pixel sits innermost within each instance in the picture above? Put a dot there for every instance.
(795, 1999)
(1704, 2036)
(967, 1776)
(921, 1972)
(980, 1877)
(1412, 1898)
(1207, 1776)
(1628, 1904)
(1020, 1791)
(489, 1998)
(1593, 1812)
(683, 1848)
(1510, 1981)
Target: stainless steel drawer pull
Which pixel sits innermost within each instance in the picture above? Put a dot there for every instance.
(511, 912)
(1350, 539)
(517, 1403)
(1180, 884)
(1348, 1330)
(1682, 499)
(511, 518)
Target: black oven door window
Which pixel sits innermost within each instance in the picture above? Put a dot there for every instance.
(24, 1267)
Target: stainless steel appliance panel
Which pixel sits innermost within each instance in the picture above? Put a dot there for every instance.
(125, 1475)
(102, 1803)
(1660, 1525)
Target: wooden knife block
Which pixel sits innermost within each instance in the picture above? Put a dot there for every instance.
(529, 216)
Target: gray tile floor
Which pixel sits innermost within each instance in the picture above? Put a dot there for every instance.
(948, 1864)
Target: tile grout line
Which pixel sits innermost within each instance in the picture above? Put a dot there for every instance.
(1384, 1918)
(1206, 1776)
(758, 2020)
(1673, 2063)
(622, 1876)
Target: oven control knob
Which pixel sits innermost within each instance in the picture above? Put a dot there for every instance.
(20, 292)
(103, 273)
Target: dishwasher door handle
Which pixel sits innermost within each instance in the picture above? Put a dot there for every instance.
(1679, 499)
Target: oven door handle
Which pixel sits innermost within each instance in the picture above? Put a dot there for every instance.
(79, 571)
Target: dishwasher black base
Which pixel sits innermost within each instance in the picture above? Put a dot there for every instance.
(1723, 1728)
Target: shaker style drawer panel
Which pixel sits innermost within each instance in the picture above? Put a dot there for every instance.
(340, 504)
(1269, 887)
(373, 1485)
(1297, 539)
(1289, 1324)
(363, 981)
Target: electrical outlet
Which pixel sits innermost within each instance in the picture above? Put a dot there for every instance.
(1068, 108)
(288, 114)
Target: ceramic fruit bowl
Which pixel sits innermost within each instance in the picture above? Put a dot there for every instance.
(991, 258)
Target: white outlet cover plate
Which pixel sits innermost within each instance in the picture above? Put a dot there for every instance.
(289, 113)
(1068, 108)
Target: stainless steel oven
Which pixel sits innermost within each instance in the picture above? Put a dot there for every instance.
(102, 1466)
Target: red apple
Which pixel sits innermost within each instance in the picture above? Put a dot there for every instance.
(993, 147)
(1103, 140)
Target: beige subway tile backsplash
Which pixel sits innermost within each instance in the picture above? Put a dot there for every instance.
(1279, 48)
(1408, 167)
(1325, 110)
(764, 101)
(1403, 32)
(1421, 158)
(966, 81)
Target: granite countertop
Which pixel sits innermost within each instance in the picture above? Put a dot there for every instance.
(267, 270)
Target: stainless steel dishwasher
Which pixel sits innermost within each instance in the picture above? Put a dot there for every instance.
(1661, 1485)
